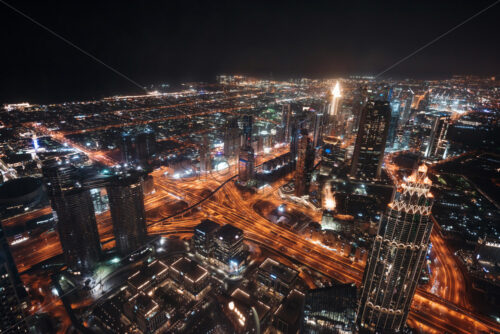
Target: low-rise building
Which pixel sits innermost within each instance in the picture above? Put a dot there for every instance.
(191, 277)
(277, 276)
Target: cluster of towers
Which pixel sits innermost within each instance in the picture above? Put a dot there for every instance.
(69, 193)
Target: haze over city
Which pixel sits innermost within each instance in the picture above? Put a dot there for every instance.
(250, 167)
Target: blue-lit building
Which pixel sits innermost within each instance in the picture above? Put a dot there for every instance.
(229, 248)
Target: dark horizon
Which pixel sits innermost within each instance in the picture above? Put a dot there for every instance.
(176, 42)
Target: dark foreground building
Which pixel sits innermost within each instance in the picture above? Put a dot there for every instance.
(330, 310)
(13, 297)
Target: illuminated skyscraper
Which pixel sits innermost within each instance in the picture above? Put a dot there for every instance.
(126, 202)
(286, 118)
(317, 125)
(333, 117)
(305, 162)
(76, 224)
(438, 144)
(393, 126)
(371, 140)
(398, 253)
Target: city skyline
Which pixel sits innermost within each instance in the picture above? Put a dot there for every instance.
(236, 167)
(330, 40)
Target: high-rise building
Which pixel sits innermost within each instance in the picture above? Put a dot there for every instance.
(371, 140)
(333, 116)
(333, 156)
(247, 129)
(305, 164)
(317, 127)
(13, 296)
(393, 126)
(127, 147)
(137, 147)
(246, 164)
(437, 146)
(330, 310)
(359, 100)
(145, 146)
(74, 209)
(397, 256)
(406, 103)
(126, 202)
(204, 236)
(286, 118)
(229, 247)
(205, 157)
(231, 138)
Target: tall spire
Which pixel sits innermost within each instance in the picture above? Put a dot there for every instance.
(336, 91)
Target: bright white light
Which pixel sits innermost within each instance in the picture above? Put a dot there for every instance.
(55, 292)
(221, 166)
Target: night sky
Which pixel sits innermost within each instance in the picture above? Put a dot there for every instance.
(176, 41)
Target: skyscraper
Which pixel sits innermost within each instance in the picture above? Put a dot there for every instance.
(205, 158)
(137, 147)
(13, 296)
(305, 162)
(333, 117)
(393, 126)
(371, 140)
(246, 159)
(126, 202)
(286, 118)
(398, 253)
(145, 146)
(127, 147)
(437, 140)
(231, 138)
(247, 129)
(76, 224)
(246, 164)
(317, 125)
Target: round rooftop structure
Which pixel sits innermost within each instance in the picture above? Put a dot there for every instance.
(22, 191)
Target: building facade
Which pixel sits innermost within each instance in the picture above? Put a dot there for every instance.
(395, 263)
(74, 209)
(370, 141)
(126, 202)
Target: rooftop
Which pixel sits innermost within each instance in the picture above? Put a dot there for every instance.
(189, 269)
(229, 233)
(291, 309)
(146, 274)
(278, 270)
(248, 301)
(206, 226)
